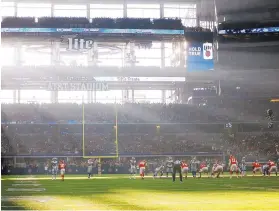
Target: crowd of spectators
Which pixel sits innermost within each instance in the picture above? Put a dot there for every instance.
(118, 23)
(222, 111)
(150, 129)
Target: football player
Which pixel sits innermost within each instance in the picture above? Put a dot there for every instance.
(133, 169)
(62, 167)
(243, 167)
(159, 170)
(194, 166)
(54, 168)
(257, 167)
(185, 168)
(142, 166)
(203, 168)
(233, 164)
(217, 169)
(169, 165)
(90, 163)
(272, 167)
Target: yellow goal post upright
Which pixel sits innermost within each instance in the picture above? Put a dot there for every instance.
(116, 137)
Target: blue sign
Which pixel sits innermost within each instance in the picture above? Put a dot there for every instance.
(200, 57)
(250, 31)
(94, 31)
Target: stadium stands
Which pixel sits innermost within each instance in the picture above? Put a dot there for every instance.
(154, 129)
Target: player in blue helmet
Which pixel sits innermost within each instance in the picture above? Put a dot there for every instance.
(54, 168)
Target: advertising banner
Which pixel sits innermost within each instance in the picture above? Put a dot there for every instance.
(200, 57)
(94, 31)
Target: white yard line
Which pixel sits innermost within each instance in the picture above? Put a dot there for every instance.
(26, 184)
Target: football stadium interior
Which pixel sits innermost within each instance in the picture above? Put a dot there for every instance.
(105, 103)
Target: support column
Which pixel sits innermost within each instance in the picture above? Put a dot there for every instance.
(54, 96)
(18, 96)
(133, 95)
(125, 9)
(95, 96)
(198, 13)
(88, 11)
(125, 96)
(163, 96)
(162, 54)
(129, 55)
(15, 14)
(17, 51)
(182, 57)
(90, 96)
(52, 10)
(55, 53)
(162, 10)
(14, 96)
(93, 55)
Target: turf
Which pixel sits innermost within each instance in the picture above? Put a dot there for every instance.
(118, 192)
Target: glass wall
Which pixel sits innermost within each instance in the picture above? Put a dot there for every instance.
(34, 96)
(7, 9)
(186, 12)
(33, 10)
(143, 10)
(70, 11)
(106, 10)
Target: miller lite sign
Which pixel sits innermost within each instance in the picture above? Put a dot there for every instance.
(207, 51)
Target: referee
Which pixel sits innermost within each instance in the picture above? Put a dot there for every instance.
(177, 168)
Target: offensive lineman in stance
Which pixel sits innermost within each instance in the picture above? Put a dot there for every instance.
(90, 168)
(169, 166)
(203, 169)
(257, 167)
(62, 167)
(217, 168)
(160, 170)
(54, 168)
(272, 167)
(133, 169)
(177, 168)
(233, 166)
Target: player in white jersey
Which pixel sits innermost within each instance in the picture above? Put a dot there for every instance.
(159, 170)
(243, 167)
(54, 168)
(217, 169)
(90, 168)
(169, 165)
(133, 169)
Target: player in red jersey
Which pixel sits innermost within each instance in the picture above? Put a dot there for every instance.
(185, 168)
(62, 167)
(142, 166)
(233, 166)
(217, 168)
(257, 167)
(203, 169)
(272, 167)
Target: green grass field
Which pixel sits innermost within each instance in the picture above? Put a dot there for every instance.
(118, 192)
